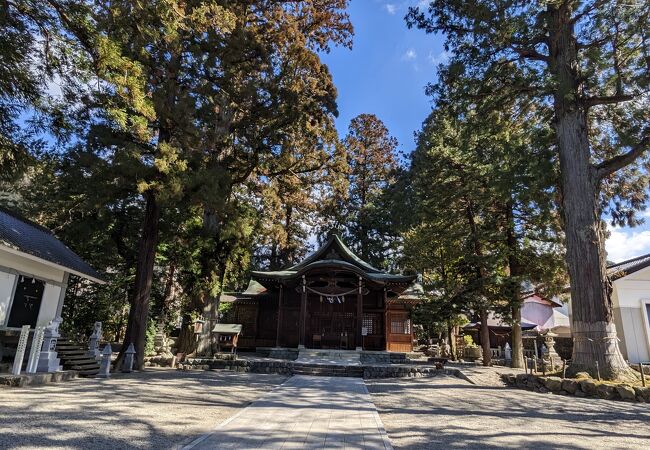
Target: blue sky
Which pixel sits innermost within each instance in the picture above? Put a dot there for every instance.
(385, 74)
(387, 69)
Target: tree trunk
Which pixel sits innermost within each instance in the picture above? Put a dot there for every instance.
(169, 293)
(481, 274)
(593, 329)
(485, 338)
(139, 313)
(451, 335)
(514, 271)
(517, 341)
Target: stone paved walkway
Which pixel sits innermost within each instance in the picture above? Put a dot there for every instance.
(304, 412)
(155, 409)
(484, 376)
(445, 412)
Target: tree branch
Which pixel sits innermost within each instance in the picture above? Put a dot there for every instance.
(606, 100)
(611, 165)
(529, 53)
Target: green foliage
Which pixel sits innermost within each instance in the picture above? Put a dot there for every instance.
(152, 329)
(469, 341)
(484, 219)
(359, 201)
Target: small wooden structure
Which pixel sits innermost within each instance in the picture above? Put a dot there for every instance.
(227, 335)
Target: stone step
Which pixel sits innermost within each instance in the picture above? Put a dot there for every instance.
(75, 357)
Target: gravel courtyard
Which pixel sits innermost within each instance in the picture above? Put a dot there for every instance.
(154, 409)
(446, 412)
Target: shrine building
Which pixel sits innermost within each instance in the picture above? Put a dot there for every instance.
(331, 300)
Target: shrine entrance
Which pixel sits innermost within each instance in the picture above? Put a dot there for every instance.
(332, 322)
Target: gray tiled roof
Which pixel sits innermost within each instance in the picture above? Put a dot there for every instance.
(619, 270)
(30, 238)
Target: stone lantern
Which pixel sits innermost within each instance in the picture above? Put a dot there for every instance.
(550, 354)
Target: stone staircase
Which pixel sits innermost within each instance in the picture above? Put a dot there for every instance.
(327, 370)
(75, 357)
(329, 357)
(331, 363)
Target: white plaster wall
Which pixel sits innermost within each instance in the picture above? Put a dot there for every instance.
(48, 305)
(633, 330)
(6, 288)
(29, 266)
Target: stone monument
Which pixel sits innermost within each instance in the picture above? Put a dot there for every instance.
(105, 365)
(48, 360)
(93, 342)
(127, 364)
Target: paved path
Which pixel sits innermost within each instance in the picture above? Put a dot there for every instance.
(304, 412)
(155, 409)
(484, 376)
(446, 412)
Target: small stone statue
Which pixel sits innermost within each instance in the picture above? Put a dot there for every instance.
(47, 359)
(508, 352)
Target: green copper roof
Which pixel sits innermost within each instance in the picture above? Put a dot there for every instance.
(334, 253)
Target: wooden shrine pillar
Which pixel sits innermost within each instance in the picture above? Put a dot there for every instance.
(360, 315)
(280, 305)
(386, 319)
(303, 314)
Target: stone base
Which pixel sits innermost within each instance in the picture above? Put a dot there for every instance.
(580, 387)
(36, 379)
(340, 370)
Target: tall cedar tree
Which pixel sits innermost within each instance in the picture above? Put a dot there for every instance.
(198, 96)
(453, 220)
(483, 188)
(586, 63)
(371, 169)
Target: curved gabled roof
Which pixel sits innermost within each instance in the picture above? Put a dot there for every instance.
(334, 253)
(335, 249)
(38, 242)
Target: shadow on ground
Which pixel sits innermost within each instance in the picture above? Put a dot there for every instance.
(446, 412)
(153, 409)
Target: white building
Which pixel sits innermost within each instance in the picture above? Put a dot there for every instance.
(631, 302)
(34, 271)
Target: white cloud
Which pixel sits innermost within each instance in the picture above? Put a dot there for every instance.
(624, 244)
(391, 8)
(440, 58)
(423, 4)
(410, 55)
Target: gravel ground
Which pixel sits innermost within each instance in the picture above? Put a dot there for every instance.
(446, 412)
(155, 409)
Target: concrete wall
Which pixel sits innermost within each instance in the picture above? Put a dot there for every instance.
(630, 295)
(12, 266)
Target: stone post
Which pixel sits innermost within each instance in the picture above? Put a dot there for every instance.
(105, 365)
(37, 343)
(20, 350)
(127, 364)
(47, 359)
(93, 342)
